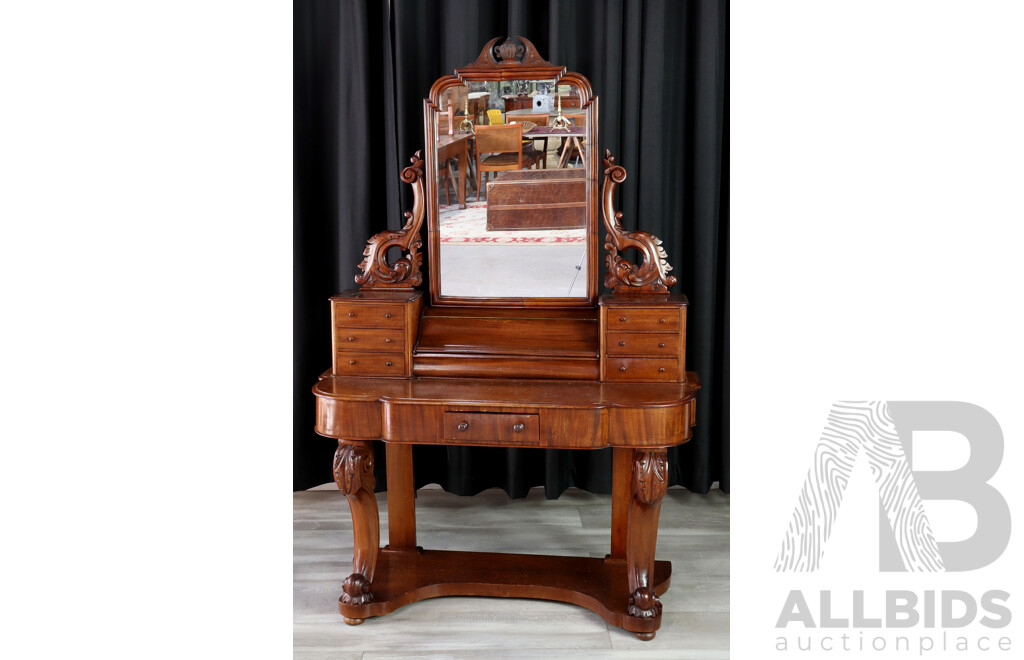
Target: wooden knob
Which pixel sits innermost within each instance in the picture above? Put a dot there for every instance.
(463, 426)
(622, 368)
(351, 338)
(622, 343)
(387, 316)
(388, 341)
(622, 318)
(661, 320)
(661, 345)
(662, 370)
(518, 428)
(351, 313)
(389, 364)
(351, 361)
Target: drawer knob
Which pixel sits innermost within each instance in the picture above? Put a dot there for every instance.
(389, 364)
(662, 345)
(387, 316)
(622, 368)
(622, 343)
(518, 428)
(622, 318)
(463, 426)
(351, 361)
(351, 338)
(661, 320)
(351, 313)
(661, 370)
(388, 341)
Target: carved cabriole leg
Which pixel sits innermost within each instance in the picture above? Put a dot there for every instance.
(650, 471)
(353, 472)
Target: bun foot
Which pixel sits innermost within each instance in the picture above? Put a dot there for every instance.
(356, 622)
(645, 637)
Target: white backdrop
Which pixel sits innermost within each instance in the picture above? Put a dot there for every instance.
(878, 206)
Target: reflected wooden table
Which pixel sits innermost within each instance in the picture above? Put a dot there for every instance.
(455, 146)
(573, 138)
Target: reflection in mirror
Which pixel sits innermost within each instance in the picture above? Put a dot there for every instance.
(512, 190)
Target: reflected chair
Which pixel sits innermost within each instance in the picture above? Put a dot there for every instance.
(494, 118)
(503, 147)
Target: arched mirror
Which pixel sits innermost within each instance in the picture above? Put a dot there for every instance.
(511, 181)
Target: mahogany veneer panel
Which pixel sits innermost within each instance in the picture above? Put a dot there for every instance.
(597, 584)
(582, 415)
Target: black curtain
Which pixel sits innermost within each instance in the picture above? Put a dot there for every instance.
(660, 70)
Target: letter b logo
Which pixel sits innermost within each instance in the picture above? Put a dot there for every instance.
(883, 430)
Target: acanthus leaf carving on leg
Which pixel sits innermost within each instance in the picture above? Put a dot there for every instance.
(651, 274)
(353, 468)
(650, 483)
(650, 472)
(378, 273)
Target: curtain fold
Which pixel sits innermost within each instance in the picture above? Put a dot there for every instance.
(660, 69)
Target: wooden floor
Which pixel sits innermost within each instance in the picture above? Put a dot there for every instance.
(694, 536)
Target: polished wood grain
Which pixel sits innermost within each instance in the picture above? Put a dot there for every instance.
(650, 481)
(585, 581)
(641, 344)
(563, 428)
(650, 274)
(508, 372)
(377, 271)
(639, 369)
(502, 429)
(353, 473)
(367, 339)
(401, 498)
(374, 332)
(572, 415)
(622, 495)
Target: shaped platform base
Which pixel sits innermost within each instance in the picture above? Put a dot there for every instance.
(600, 585)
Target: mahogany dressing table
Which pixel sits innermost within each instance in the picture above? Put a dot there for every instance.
(511, 346)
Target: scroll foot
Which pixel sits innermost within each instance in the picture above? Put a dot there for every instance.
(356, 590)
(644, 604)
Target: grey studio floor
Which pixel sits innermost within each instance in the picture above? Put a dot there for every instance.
(693, 535)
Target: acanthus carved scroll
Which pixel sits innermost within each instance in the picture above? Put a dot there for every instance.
(651, 274)
(644, 604)
(405, 272)
(355, 590)
(353, 468)
(650, 475)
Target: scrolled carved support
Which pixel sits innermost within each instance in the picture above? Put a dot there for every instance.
(378, 273)
(650, 469)
(649, 484)
(353, 472)
(353, 468)
(651, 274)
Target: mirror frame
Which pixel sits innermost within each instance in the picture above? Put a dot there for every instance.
(514, 59)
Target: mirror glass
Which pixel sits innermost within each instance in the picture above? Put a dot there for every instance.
(512, 190)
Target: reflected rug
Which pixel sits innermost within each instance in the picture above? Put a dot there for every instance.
(468, 226)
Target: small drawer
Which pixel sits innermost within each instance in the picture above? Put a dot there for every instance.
(373, 316)
(641, 369)
(487, 428)
(369, 339)
(360, 364)
(651, 319)
(638, 343)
